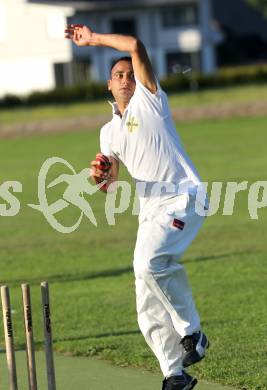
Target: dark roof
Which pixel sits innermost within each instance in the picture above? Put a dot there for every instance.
(235, 15)
(82, 5)
(239, 17)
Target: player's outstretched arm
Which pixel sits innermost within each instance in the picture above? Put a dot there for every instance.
(83, 36)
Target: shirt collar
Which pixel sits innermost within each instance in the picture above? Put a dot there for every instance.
(115, 108)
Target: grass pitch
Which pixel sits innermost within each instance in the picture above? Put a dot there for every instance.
(90, 270)
(81, 373)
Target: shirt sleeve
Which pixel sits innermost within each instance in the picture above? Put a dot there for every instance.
(157, 102)
(105, 145)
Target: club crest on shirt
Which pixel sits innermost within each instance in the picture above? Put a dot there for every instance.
(132, 124)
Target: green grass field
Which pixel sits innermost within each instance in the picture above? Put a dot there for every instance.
(90, 270)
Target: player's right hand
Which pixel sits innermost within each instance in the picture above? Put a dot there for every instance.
(101, 167)
(80, 34)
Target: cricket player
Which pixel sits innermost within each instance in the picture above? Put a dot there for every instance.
(142, 136)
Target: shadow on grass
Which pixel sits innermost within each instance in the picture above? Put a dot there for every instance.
(221, 256)
(65, 278)
(39, 343)
(74, 277)
(98, 336)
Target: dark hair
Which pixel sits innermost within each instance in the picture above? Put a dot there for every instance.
(125, 58)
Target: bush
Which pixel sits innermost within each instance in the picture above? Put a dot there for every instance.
(222, 78)
(191, 81)
(10, 101)
(86, 92)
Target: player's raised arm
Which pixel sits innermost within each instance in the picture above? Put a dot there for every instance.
(83, 36)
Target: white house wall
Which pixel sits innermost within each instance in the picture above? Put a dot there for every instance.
(31, 41)
(24, 75)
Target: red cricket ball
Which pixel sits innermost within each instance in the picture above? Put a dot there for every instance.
(103, 162)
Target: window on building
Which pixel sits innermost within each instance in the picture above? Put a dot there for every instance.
(81, 71)
(59, 74)
(76, 72)
(177, 62)
(180, 15)
(123, 26)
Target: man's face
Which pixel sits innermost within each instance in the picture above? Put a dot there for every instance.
(122, 82)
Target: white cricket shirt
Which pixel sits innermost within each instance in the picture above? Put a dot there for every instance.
(145, 140)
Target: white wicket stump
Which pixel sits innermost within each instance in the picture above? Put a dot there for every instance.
(28, 325)
(48, 337)
(9, 340)
(27, 312)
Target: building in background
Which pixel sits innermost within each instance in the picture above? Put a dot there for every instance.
(176, 33)
(32, 46)
(245, 33)
(201, 34)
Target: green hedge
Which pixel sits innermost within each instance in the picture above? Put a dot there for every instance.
(224, 77)
(195, 81)
(62, 95)
(86, 92)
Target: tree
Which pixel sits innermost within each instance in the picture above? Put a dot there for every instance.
(260, 4)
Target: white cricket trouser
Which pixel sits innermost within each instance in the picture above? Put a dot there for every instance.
(165, 306)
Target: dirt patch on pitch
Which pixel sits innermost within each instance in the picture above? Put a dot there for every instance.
(183, 114)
